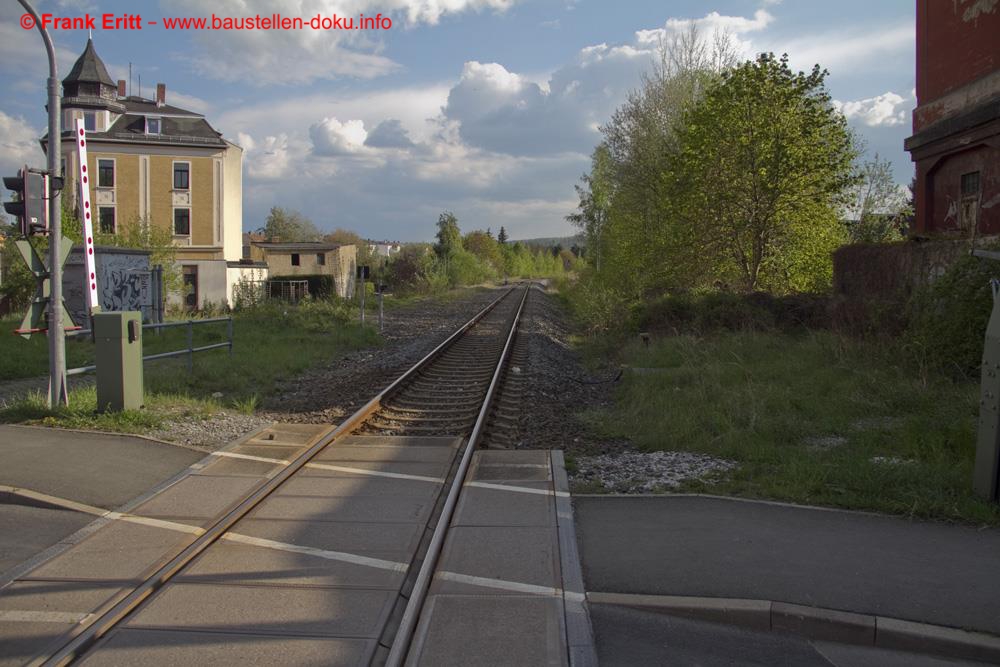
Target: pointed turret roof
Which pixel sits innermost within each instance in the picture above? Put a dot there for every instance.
(89, 68)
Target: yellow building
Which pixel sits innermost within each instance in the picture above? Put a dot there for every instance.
(161, 165)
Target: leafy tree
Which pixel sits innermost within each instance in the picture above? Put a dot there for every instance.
(288, 226)
(449, 236)
(878, 207)
(484, 247)
(595, 195)
(765, 159)
(366, 254)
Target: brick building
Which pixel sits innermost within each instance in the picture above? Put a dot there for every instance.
(956, 125)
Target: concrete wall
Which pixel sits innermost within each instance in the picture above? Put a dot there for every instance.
(122, 282)
(892, 271)
(236, 274)
(340, 263)
(232, 203)
(212, 283)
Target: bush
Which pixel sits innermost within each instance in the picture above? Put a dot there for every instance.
(706, 312)
(949, 318)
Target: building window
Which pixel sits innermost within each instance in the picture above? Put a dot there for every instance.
(182, 175)
(321, 258)
(105, 173)
(295, 259)
(106, 219)
(182, 222)
(190, 287)
(152, 126)
(89, 121)
(970, 184)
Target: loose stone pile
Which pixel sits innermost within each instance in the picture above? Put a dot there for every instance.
(640, 472)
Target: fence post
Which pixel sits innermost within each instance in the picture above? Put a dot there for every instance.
(230, 335)
(190, 337)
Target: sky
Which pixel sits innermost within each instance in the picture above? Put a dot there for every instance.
(487, 108)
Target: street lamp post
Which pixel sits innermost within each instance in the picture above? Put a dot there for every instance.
(56, 334)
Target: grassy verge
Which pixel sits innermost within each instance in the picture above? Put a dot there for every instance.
(271, 343)
(811, 418)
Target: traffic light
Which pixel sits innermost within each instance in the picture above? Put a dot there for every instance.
(29, 206)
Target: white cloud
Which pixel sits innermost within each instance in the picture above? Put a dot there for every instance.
(331, 137)
(262, 57)
(838, 51)
(189, 102)
(269, 158)
(389, 134)
(18, 145)
(886, 110)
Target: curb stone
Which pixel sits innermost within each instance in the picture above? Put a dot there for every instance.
(818, 623)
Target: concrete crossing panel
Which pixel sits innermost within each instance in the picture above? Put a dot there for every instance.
(464, 630)
(277, 610)
(172, 648)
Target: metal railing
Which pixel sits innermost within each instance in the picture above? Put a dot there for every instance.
(189, 350)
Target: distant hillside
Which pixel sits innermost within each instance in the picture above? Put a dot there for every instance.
(564, 241)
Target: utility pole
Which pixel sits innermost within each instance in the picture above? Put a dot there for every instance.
(56, 334)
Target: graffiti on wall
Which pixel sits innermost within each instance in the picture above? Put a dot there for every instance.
(123, 282)
(972, 9)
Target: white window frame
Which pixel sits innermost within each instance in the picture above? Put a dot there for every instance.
(114, 172)
(92, 115)
(173, 222)
(159, 124)
(173, 172)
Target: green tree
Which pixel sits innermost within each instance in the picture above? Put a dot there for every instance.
(449, 236)
(484, 247)
(288, 226)
(878, 207)
(595, 195)
(502, 236)
(764, 163)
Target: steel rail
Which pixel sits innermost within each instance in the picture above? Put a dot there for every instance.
(115, 610)
(404, 634)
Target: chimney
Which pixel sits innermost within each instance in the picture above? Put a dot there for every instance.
(161, 94)
(121, 88)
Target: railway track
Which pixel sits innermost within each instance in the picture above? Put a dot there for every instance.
(450, 392)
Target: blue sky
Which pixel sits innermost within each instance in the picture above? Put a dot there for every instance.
(488, 108)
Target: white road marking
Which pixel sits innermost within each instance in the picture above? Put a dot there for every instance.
(196, 530)
(19, 616)
(327, 466)
(247, 457)
(375, 473)
(516, 586)
(502, 584)
(54, 500)
(518, 489)
(320, 553)
(156, 523)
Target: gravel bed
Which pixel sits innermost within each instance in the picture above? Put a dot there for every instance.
(559, 387)
(639, 472)
(333, 391)
(209, 434)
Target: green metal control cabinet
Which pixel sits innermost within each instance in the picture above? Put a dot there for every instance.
(118, 356)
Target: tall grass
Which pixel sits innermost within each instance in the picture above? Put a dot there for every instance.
(811, 418)
(271, 342)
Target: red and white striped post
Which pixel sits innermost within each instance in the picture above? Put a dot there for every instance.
(93, 305)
